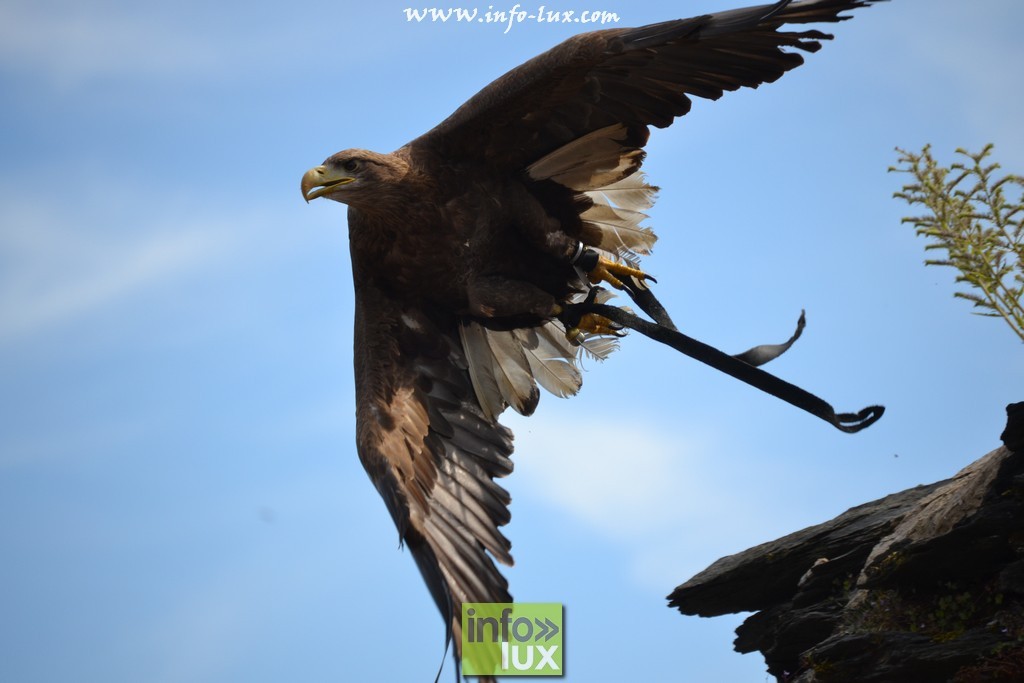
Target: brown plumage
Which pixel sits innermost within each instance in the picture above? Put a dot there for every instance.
(462, 242)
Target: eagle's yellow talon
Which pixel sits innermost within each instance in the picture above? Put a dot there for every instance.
(597, 324)
(591, 323)
(609, 271)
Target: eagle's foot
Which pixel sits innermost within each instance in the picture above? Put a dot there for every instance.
(579, 322)
(592, 323)
(601, 269)
(611, 272)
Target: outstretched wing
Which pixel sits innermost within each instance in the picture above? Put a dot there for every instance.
(431, 451)
(575, 116)
(631, 77)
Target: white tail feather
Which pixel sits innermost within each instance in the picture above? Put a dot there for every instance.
(511, 371)
(591, 162)
(599, 347)
(506, 366)
(632, 192)
(552, 358)
(620, 229)
(603, 213)
(481, 368)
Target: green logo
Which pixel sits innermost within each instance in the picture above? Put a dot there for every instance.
(511, 639)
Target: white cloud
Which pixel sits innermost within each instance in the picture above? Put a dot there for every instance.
(76, 43)
(208, 631)
(57, 270)
(657, 489)
(618, 476)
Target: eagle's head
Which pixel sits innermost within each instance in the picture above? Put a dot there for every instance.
(356, 177)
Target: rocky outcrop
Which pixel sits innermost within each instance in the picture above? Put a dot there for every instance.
(924, 585)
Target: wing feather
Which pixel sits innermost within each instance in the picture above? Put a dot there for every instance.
(432, 452)
(631, 76)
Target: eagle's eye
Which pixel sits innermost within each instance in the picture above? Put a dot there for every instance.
(350, 165)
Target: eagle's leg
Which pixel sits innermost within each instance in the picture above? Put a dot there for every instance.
(600, 269)
(546, 233)
(494, 296)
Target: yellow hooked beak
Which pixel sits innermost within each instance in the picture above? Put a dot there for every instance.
(320, 180)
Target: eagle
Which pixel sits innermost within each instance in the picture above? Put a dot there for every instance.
(471, 244)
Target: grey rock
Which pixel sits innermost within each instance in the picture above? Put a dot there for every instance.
(922, 585)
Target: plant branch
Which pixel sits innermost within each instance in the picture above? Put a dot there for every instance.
(980, 228)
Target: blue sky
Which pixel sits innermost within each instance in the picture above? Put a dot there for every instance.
(180, 498)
